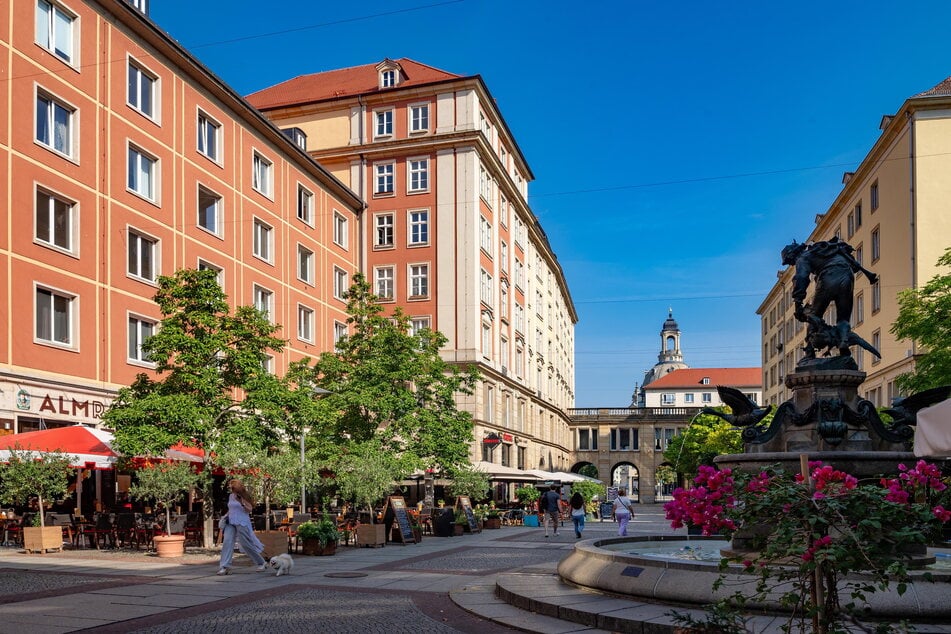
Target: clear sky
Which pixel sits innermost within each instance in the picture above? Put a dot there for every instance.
(676, 146)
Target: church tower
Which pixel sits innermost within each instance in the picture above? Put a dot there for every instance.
(670, 358)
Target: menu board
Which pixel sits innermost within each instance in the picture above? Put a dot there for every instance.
(465, 504)
(403, 524)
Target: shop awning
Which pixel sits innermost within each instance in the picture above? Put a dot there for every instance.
(84, 445)
(499, 473)
(561, 476)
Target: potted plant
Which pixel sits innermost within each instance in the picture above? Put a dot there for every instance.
(461, 523)
(318, 538)
(493, 519)
(47, 478)
(165, 483)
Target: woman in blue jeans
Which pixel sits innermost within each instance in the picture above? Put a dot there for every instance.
(622, 511)
(577, 513)
(236, 525)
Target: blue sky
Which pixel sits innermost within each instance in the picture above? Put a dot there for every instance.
(676, 146)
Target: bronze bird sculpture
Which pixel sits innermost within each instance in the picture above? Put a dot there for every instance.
(745, 411)
(904, 410)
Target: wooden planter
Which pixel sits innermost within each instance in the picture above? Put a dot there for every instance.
(275, 542)
(492, 522)
(312, 547)
(39, 539)
(169, 545)
(371, 535)
(459, 529)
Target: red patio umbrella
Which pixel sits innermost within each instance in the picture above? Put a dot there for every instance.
(87, 447)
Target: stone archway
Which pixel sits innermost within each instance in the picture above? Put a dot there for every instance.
(586, 468)
(624, 475)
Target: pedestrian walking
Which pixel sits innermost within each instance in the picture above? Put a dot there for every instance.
(552, 509)
(622, 512)
(577, 513)
(236, 525)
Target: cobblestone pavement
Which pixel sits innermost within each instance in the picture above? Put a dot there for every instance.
(394, 589)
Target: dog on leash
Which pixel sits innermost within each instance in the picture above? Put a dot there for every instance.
(283, 563)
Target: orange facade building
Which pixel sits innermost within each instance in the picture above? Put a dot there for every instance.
(123, 159)
(449, 236)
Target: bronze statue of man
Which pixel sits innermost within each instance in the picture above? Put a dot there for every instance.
(831, 265)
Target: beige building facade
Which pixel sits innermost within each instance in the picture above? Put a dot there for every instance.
(895, 210)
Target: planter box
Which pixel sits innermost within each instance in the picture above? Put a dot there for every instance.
(39, 539)
(371, 535)
(459, 529)
(493, 523)
(312, 547)
(275, 542)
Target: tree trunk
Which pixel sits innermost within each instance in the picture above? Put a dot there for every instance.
(39, 499)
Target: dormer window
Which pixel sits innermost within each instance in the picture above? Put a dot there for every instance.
(297, 136)
(388, 79)
(706, 380)
(389, 73)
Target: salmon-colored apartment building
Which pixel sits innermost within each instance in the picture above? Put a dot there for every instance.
(124, 158)
(449, 236)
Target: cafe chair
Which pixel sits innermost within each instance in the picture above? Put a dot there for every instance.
(194, 528)
(102, 532)
(125, 530)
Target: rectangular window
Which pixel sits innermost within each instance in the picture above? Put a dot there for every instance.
(143, 90)
(340, 231)
(873, 194)
(850, 224)
(209, 136)
(209, 211)
(384, 283)
(305, 323)
(417, 324)
(388, 78)
(418, 280)
(485, 293)
(142, 173)
(341, 283)
(262, 175)
(305, 205)
(623, 439)
(384, 178)
(877, 296)
(876, 245)
(54, 30)
(419, 118)
(688, 398)
(142, 256)
(584, 440)
(263, 237)
(54, 316)
(668, 399)
(263, 300)
(305, 264)
(486, 340)
(297, 136)
(384, 123)
(208, 266)
(54, 220)
(139, 331)
(485, 234)
(877, 344)
(384, 230)
(340, 331)
(858, 216)
(859, 254)
(54, 124)
(418, 227)
(418, 175)
(706, 397)
(859, 314)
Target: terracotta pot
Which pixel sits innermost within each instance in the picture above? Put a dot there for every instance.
(169, 545)
(459, 529)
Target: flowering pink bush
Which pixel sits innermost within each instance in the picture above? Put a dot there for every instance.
(706, 504)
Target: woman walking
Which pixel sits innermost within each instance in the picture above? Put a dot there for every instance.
(236, 525)
(622, 512)
(577, 513)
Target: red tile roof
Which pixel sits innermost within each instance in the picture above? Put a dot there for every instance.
(943, 89)
(332, 84)
(693, 378)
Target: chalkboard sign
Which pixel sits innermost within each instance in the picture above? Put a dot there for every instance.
(463, 502)
(403, 524)
(606, 509)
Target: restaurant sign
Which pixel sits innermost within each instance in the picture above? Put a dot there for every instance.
(508, 437)
(491, 439)
(72, 405)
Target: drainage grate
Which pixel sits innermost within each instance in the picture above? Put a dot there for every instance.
(345, 575)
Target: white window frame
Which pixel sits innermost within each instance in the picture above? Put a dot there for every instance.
(205, 265)
(419, 323)
(305, 323)
(262, 235)
(305, 205)
(384, 230)
(384, 283)
(418, 118)
(147, 187)
(668, 398)
(135, 262)
(209, 137)
(135, 335)
(486, 339)
(341, 230)
(217, 229)
(688, 397)
(388, 78)
(64, 145)
(341, 283)
(262, 174)
(145, 104)
(384, 178)
(706, 397)
(71, 334)
(50, 213)
(417, 175)
(340, 331)
(418, 276)
(417, 222)
(305, 264)
(60, 43)
(485, 234)
(383, 123)
(263, 300)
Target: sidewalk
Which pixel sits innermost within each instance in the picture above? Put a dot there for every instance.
(397, 588)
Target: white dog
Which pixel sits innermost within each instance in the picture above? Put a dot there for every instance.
(284, 564)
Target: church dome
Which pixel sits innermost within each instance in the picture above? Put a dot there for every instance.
(670, 324)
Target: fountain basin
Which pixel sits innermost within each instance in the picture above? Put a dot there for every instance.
(652, 575)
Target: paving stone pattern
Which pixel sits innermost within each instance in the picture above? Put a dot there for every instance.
(313, 610)
(19, 582)
(482, 560)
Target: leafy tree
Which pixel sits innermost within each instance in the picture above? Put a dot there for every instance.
(703, 440)
(665, 474)
(165, 483)
(527, 495)
(365, 472)
(587, 489)
(27, 473)
(924, 316)
(589, 470)
(211, 390)
(393, 386)
(468, 481)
